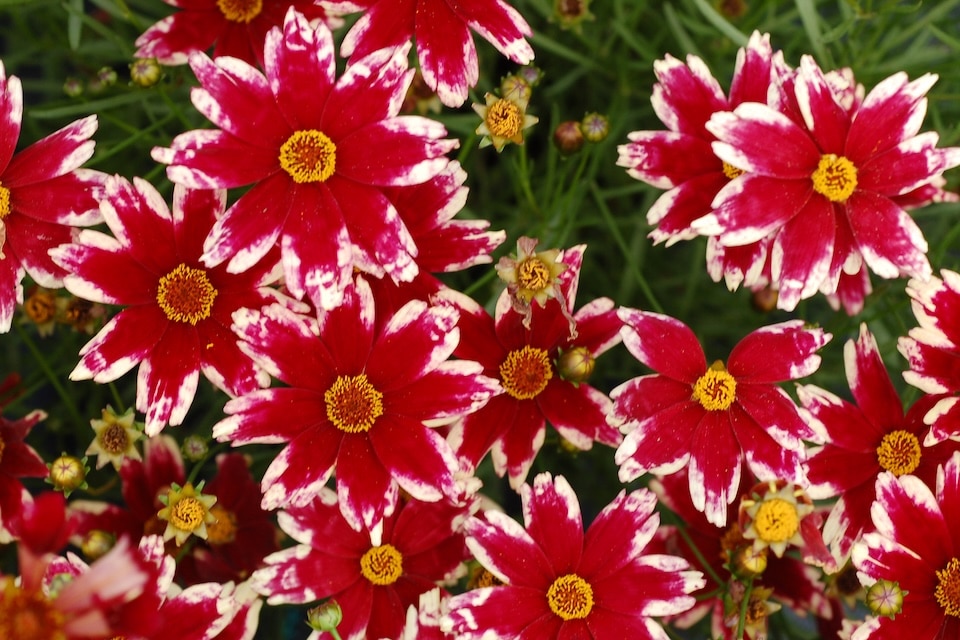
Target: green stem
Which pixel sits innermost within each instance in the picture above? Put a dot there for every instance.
(51, 376)
(211, 451)
(744, 605)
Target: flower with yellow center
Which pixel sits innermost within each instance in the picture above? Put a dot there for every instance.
(186, 294)
(224, 529)
(115, 438)
(525, 372)
(308, 156)
(40, 308)
(382, 565)
(353, 404)
(716, 389)
(4, 202)
(242, 11)
(835, 178)
(899, 452)
(947, 592)
(570, 597)
(27, 615)
(187, 512)
(534, 276)
(731, 171)
(504, 119)
(774, 516)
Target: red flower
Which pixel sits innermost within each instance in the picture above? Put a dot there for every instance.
(17, 460)
(709, 418)
(319, 151)
(43, 195)
(558, 582)
(374, 577)
(176, 323)
(441, 28)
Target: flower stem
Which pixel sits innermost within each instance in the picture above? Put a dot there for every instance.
(51, 376)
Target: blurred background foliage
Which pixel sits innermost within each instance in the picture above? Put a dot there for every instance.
(601, 64)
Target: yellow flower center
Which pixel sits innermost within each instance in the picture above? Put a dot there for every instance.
(504, 119)
(353, 404)
(716, 389)
(526, 372)
(224, 530)
(187, 514)
(731, 171)
(186, 294)
(114, 439)
(776, 520)
(240, 10)
(835, 177)
(382, 565)
(948, 588)
(899, 452)
(533, 274)
(40, 307)
(4, 201)
(28, 615)
(308, 156)
(481, 578)
(570, 597)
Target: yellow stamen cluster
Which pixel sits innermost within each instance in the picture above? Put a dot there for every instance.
(504, 119)
(947, 592)
(308, 156)
(187, 512)
(731, 171)
(525, 372)
(240, 10)
(186, 294)
(899, 452)
(570, 597)
(382, 565)
(776, 520)
(224, 529)
(835, 178)
(353, 404)
(28, 615)
(716, 389)
(4, 202)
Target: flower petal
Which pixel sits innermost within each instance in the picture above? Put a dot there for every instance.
(664, 344)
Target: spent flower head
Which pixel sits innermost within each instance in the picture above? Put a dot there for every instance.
(115, 438)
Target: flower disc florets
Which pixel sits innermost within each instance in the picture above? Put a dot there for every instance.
(187, 512)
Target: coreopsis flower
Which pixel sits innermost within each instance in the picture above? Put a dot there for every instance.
(373, 576)
(317, 190)
(359, 394)
(503, 120)
(441, 29)
(17, 460)
(531, 276)
(176, 320)
(863, 440)
(916, 547)
(234, 28)
(827, 189)
(710, 418)
(43, 195)
(933, 350)
(557, 581)
(115, 438)
(187, 511)
(543, 371)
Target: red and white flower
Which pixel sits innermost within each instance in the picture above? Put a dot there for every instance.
(441, 28)
(558, 581)
(711, 418)
(359, 394)
(916, 547)
(319, 152)
(177, 316)
(43, 195)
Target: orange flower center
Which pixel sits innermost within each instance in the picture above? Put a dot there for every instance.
(188, 514)
(114, 439)
(308, 156)
(28, 616)
(240, 10)
(186, 294)
(716, 389)
(777, 520)
(948, 588)
(526, 372)
(353, 404)
(899, 452)
(533, 274)
(731, 171)
(382, 565)
(4, 201)
(224, 530)
(835, 178)
(40, 307)
(504, 119)
(570, 597)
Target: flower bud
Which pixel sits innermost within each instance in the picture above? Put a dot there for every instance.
(325, 617)
(568, 137)
(73, 87)
(885, 598)
(96, 544)
(68, 473)
(145, 72)
(576, 365)
(595, 127)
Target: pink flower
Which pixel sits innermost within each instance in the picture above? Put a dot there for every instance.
(441, 28)
(176, 323)
(709, 418)
(863, 440)
(43, 194)
(916, 546)
(827, 188)
(933, 350)
(17, 460)
(319, 152)
(236, 28)
(359, 394)
(559, 582)
(374, 577)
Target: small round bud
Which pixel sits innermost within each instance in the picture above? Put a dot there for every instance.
(731, 8)
(96, 544)
(107, 76)
(194, 448)
(145, 72)
(571, 13)
(885, 598)
(576, 365)
(595, 127)
(325, 617)
(68, 473)
(749, 561)
(533, 75)
(568, 137)
(764, 300)
(73, 87)
(516, 88)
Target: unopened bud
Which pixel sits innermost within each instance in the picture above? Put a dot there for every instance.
(885, 598)
(68, 473)
(568, 137)
(576, 365)
(325, 617)
(96, 544)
